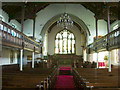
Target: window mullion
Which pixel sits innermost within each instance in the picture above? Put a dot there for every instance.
(65, 42)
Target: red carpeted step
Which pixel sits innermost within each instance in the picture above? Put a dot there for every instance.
(65, 82)
(65, 70)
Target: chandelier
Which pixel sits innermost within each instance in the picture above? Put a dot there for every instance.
(65, 21)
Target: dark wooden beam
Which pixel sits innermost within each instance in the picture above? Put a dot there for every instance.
(26, 16)
(113, 4)
(38, 8)
(108, 19)
(13, 3)
(96, 22)
(100, 9)
(105, 17)
(22, 18)
(33, 28)
(30, 11)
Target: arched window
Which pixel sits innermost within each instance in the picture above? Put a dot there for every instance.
(65, 42)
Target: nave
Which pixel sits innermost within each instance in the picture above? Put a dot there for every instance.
(65, 79)
(58, 78)
(12, 78)
(59, 45)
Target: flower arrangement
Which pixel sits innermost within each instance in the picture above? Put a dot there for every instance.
(106, 58)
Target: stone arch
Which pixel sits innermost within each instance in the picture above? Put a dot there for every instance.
(73, 17)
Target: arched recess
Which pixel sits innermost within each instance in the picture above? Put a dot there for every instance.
(54, 19)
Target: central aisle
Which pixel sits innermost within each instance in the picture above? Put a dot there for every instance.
(65, 80)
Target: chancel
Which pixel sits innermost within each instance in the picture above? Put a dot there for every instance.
(59, 45)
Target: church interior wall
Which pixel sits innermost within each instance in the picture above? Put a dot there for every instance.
(86, 16)
(78, 35)
(28, 27)
(55, 9)
(115, 56)
(7, 54)
(5, 17)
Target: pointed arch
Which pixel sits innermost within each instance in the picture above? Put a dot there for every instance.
(77, 20)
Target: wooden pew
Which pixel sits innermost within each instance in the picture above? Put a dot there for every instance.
(96, 78)
(29, 78)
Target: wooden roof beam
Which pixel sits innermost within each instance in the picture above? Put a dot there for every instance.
(13, 3)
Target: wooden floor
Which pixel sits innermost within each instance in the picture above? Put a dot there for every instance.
(97, 79)
(12, 78)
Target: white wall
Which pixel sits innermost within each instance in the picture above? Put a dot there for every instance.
(80, 39)
(28, 27)
(54, 9)
(102, 27)
(5, 59)
(6, 19)
(16, 23)
(5, 15)
(115, 56)
(115, 23)
(76, 9)
(26, 53)
(45, 44)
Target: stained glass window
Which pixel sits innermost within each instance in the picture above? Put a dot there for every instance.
(65, 42)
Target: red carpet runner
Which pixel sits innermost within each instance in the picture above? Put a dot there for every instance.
(65, 82)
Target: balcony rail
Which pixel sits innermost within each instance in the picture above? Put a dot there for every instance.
(108, 42)
(13, 37)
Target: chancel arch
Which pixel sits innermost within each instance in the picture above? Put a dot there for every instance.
(79, 39)
(79, 29)
(76, 20)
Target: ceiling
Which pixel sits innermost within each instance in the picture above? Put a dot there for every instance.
(15, 9)
(100, 10)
